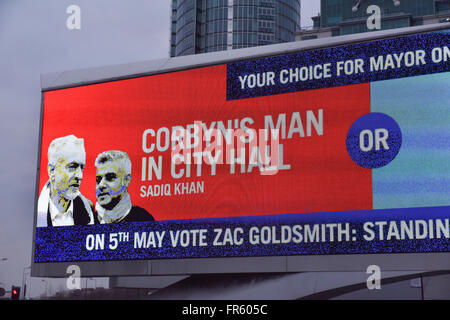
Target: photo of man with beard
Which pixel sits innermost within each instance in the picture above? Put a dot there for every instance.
(113, 177)
(60, 202)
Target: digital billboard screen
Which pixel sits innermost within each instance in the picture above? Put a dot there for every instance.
(334, 151)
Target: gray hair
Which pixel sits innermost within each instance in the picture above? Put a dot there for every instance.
(65, 147)
(116, 156)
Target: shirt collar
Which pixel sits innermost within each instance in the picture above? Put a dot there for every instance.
(55, 213)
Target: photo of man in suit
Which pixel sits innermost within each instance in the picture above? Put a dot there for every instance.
(113, 177)
(60, 202)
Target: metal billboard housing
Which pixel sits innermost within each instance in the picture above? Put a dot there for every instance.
(281, 264)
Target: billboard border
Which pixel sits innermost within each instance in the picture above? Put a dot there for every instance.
(186, 266)
(38, 169)
(83, 77)
(429, 262)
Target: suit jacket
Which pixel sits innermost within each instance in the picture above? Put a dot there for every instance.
(80, 214)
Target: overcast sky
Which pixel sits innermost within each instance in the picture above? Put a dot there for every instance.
(34, 40)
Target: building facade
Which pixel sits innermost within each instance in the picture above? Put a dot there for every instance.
(341, 17)
(200, 26)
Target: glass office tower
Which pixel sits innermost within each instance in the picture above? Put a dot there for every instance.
(200, 26)
(341, 17)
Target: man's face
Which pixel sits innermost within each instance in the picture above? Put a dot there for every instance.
(111, 184)
(66, 176)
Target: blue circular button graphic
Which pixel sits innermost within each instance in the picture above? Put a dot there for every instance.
(374, 140)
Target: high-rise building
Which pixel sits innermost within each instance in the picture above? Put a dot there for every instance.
(200, 26)
(341, 17)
